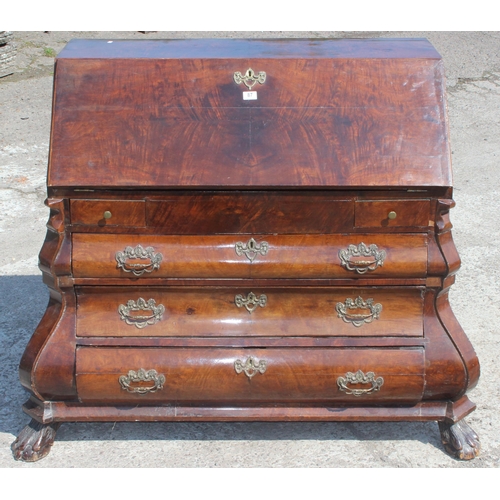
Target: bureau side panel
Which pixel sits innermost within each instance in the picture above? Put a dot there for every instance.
(47, 365)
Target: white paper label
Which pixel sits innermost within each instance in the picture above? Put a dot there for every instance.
(250, 96)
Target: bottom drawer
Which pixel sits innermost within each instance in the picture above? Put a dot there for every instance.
(249, 376)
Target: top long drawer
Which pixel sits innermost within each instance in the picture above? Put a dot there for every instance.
(263, 256)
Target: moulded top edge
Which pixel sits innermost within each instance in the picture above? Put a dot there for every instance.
(226, 48)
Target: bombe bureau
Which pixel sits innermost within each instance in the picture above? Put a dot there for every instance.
(252, 230)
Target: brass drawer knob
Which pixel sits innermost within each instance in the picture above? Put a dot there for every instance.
(359, 378)
(142, 381)
(250, 367)
(128, 312)
(107, 214)
(362, 258)
(138, 260)
(251, 302)
(392, 215)
(344, 311)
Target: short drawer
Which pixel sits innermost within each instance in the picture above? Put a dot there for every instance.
(271, 312)
(108, 213)
(249, 376)
(245, 256)
(392, 213)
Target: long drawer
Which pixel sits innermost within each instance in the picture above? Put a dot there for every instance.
(219, 311)
(239, 256)
(249, 376)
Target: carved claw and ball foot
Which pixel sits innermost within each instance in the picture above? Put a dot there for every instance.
(459, 440)
(35, 441)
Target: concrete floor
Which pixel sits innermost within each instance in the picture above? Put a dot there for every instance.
(472, 61)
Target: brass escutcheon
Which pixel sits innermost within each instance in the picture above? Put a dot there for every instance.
(251, 366)
(251, 249)
(152, 260)
(360, 378)
(251, 302)
(249, 78)
(140, 377)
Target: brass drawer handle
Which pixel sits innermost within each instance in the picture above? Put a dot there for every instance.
(141, 321)
(249, 78)
(360, 378)
(357, 319)
(142, 377)
(351, 258)
(107, 214)
(251, 249)
(251, 366)
(251, 302)
(392, 215)
(127, 260)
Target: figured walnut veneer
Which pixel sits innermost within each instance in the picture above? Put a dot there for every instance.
(287, 257)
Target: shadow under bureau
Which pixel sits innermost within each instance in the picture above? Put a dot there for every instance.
(249, 230)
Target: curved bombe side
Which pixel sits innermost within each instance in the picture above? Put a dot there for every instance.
(50, 376)
(454, 330)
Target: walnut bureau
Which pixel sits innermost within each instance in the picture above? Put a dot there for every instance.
(252, 230)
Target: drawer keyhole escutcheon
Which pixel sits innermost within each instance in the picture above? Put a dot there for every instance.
(126, 312)
(250, 78)
(362, 258)
(251, 302)
(138, 260)
(145, 381)
(251, 249)
(360, 378)
(250, 367)
(344, 311)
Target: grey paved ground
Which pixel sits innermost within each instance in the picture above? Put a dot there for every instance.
(472, 62)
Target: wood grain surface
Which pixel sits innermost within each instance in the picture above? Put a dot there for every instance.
(212, 312)
(247, 209)
(288, 256)
(317, 122)
(208, 375)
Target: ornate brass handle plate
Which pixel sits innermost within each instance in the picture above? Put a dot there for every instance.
(249, 78)
(139, 320)
(360, 378)
(147, 381)
(251, 249)
(130, 260)
(362, 258)
(357, 319)
(250, 367)
(251, 302)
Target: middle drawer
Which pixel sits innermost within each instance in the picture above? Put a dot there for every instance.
(269, 312)
(244, 256)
